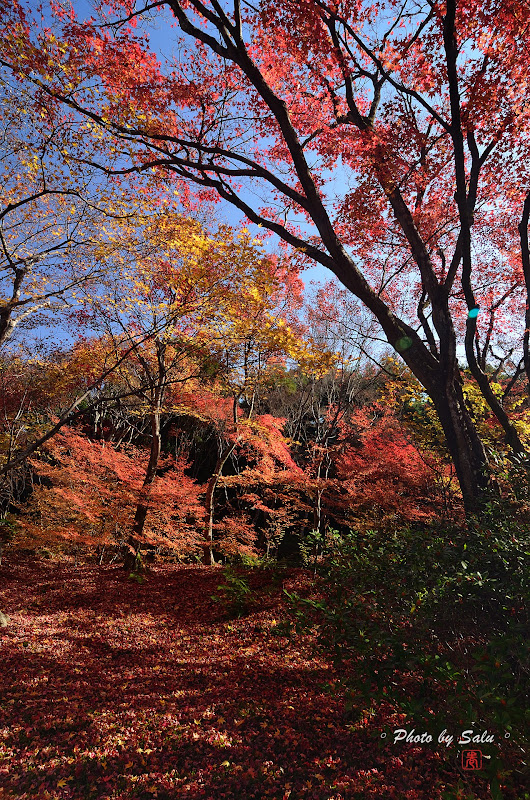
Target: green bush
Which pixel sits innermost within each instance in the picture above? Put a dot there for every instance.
(433, 621)
(8, 529)
(235, 594)
(249, 562)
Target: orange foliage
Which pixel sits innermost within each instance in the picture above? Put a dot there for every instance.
(94, 491)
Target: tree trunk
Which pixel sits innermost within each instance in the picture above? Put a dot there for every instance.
(465, 446)
(208, 558)
(525, 262)
(135, 539)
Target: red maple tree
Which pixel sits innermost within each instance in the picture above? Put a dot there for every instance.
(87, 492)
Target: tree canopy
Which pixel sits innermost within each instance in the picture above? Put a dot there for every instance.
(387, 142)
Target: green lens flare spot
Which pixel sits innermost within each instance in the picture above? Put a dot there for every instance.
(473, 313)
(403, 344)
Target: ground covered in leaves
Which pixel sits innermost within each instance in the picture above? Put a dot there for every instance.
(112, 689)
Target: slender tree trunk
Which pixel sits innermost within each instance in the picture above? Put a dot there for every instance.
(135, 539)
(465, 197)
(150, 475)
(525, 261)
(208, 558)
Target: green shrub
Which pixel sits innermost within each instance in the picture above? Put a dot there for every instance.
(8, 529)
(318, 543)
(434, 622)
(235, 594)
(249, 562)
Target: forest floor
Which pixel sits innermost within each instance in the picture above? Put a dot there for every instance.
(111, 689)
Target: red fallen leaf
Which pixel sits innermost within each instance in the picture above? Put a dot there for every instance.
(201, 679)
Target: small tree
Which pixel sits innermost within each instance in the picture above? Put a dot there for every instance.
(88, 492)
